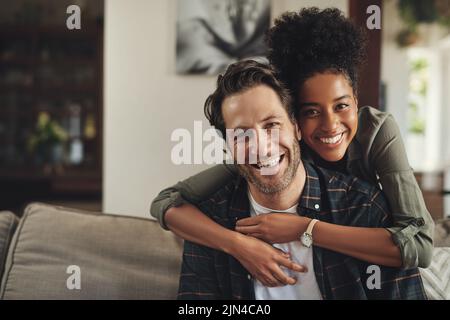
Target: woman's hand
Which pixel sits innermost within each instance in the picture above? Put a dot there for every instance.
(274, 227)
(264, 262)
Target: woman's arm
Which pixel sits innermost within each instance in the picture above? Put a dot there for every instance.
(409, 243)
(413, 226)
(173, 210)
(261, 260)
(192, 190)
(373, 245)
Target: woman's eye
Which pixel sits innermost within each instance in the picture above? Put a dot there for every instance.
(341, 106)
(310, 113)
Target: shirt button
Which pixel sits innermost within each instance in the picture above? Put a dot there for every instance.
(420, 222)
(316, 206)
(249, 277)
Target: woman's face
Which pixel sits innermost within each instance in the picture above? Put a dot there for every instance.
(328, 116)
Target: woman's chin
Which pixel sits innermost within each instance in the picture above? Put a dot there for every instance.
(331, 155)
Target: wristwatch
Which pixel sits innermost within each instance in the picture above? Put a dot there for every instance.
(307, 238)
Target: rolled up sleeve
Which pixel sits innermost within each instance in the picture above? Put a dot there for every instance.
(165, 200)
(413, 226)
(193, 190)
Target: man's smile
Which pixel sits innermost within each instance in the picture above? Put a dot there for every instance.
(268, 163)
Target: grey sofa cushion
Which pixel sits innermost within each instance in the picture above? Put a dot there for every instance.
(8, 224)
(436, 278)
(118, 257)
(442, 233)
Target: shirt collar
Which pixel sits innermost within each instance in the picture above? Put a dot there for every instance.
(310, 198)
(354, 152)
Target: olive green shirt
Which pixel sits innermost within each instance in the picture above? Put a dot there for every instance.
(376, 154)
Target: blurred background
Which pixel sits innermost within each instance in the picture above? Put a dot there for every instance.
(86, 116)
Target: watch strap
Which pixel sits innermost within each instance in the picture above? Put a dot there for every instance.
(311, 225)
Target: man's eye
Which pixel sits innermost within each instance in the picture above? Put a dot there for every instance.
(273, 125)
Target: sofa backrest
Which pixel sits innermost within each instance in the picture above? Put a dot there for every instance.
(61, 253)
(8, 224)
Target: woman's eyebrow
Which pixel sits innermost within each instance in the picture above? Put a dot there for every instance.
(343, 97)
(309, 104)
(315, 104)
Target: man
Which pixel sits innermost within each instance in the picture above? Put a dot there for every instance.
(249, 97)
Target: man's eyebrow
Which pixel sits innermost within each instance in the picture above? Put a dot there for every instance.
(269, 118)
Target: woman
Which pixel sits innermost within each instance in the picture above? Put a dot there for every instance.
(317, 54)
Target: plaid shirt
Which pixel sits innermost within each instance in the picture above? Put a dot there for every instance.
(327, 196)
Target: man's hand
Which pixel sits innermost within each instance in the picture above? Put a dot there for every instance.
(274, 227)
(264, 262)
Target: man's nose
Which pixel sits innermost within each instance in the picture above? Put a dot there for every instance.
(266, 142)
(263, 141)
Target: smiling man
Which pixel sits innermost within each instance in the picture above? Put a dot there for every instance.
(249, 97)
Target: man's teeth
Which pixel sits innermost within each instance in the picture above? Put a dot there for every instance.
(332, 140)
(269, 162)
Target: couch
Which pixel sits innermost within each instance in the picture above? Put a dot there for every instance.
(60, 253)
(115, 257)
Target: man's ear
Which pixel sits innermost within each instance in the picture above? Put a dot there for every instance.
(298, 133)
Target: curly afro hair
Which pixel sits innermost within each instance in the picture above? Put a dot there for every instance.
(312, 41)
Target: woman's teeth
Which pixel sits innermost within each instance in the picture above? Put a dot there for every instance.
(332, 140)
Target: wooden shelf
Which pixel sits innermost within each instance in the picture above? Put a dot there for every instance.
(57, 89)
(22, 50)
(88, 30)
(72, 180)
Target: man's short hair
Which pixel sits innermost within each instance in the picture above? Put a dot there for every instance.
(239, 77)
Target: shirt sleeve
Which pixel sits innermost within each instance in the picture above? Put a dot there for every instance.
(413, 227)
(193, 190)
(198, 279)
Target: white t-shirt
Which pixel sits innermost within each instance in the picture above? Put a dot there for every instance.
(306, 287)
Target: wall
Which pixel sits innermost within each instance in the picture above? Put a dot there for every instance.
(394, 70)
(145, 100)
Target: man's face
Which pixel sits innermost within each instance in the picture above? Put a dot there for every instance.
(260, 110)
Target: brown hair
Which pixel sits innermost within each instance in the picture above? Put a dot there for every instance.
(238, 77)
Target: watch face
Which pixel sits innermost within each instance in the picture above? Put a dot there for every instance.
(307, 240)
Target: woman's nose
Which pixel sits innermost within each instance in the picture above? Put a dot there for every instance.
(330, 121)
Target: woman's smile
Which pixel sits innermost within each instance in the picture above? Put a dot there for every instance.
(331, 141)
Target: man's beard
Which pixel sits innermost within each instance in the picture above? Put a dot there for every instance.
(269, 187)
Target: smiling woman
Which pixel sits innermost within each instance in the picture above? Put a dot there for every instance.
(328, 115)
